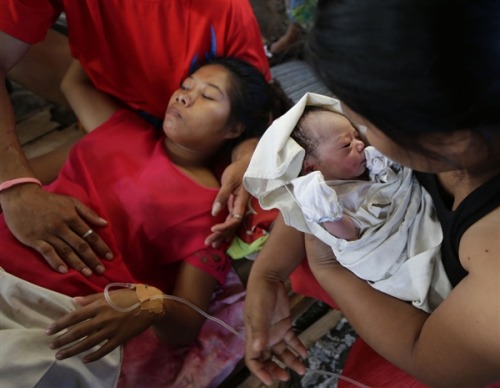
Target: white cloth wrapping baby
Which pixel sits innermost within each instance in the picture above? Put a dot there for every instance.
(398, 251)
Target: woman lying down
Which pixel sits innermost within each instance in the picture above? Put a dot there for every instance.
(155, 189)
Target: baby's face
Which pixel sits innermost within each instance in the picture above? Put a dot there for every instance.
(339, 151)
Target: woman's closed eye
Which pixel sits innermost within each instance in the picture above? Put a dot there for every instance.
(207, 97)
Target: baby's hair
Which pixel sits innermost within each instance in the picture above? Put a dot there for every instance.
(302, 139)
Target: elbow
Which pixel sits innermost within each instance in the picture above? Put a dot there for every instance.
(65, 85)
(176, 338)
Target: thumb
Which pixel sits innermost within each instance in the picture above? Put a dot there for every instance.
(257, 333)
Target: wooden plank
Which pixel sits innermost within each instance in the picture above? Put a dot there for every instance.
(319, 328)
(35, 126)
(52, 140)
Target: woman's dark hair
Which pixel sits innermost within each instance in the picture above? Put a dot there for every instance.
(249, 96)
(413, 67)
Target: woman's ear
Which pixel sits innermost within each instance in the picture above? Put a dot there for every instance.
(235, 131)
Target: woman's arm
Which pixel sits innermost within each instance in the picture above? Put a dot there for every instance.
(91, 106)
(267, 309)
(459, 343)
(51, 225)
(96, 322)
(232, 193)
(181, 324)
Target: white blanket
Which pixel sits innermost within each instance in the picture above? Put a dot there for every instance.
(398, 251)
(26, 361)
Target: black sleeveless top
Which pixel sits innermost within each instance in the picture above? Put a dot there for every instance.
(477, 204)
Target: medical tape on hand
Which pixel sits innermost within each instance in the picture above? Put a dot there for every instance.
(150, 298)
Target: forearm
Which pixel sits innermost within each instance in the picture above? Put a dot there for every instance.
(451, 347)
(91, 106)
(390, 318)
(244, 150)
(281, 254)
(13, 163)
(180, 325)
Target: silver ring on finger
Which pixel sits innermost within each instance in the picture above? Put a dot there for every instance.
(87, 233)
(239, 217)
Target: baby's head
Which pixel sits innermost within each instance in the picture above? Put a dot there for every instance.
(332, 144)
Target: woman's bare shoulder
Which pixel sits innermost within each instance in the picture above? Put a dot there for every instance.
(480, 244)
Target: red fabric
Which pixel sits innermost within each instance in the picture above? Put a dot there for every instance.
(303, 282)
(363, 364)
(366, 366)
(257, 222)
(139, 51)
(157, 216)
(28, 20)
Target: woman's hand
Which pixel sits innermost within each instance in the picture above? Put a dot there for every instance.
(96, 322)
(233, 194)
(271, 344)
(57, 227)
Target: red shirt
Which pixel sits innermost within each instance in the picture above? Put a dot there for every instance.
(157, 216)
(139, 51)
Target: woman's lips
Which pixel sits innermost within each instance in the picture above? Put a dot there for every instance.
(174, 112)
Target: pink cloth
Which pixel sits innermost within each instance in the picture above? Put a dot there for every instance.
(148, 362)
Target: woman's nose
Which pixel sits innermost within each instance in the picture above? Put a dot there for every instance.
(184, 99)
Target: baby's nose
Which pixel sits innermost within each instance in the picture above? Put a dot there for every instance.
(360, 146)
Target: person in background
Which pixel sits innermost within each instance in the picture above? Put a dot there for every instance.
(432, 106)
(137, 53)
(301, 14)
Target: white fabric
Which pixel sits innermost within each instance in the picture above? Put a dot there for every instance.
(318, 201)
(26, 361)
(398, 251)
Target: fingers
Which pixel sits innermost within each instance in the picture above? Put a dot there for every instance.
(90, 341)
(68, 320)
(240, 202)
(84, 331)
(93, 239)
(224, 231)
(230, 184)
(267, 371)
(294, 343)
(54, 225)
(67, 248)
(271, 364)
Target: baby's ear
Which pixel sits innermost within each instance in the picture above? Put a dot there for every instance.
(235, 131)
